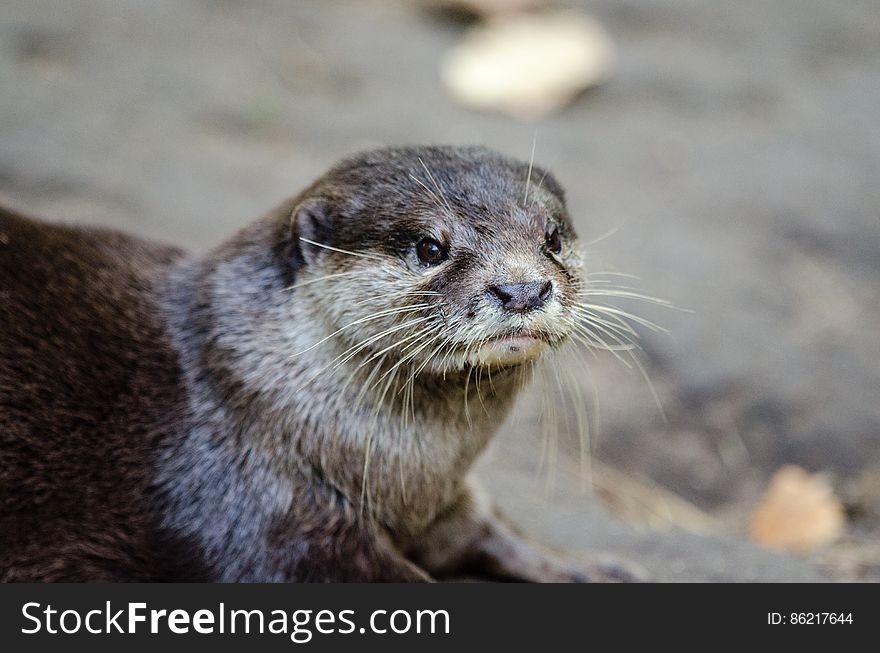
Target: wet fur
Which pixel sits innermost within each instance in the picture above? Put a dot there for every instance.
(169, 417)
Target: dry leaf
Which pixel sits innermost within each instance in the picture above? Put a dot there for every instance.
(798, 512)
(528, 65)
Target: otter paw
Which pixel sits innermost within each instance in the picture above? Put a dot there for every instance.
(594, 571)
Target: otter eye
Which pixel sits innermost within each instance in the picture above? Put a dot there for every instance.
(552, 239)
(430, 252)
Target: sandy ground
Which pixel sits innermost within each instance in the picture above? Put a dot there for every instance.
(736, 152)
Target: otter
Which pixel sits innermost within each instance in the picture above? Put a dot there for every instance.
(300, 404)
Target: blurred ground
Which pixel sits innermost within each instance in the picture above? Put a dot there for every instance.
(736, 151)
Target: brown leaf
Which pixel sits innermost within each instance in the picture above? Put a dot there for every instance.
(797, 513)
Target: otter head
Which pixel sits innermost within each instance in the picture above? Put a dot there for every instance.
(438, 259)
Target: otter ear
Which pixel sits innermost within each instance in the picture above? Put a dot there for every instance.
(310, 228)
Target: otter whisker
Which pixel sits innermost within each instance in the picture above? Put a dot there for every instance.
(491, 385)
(653, 390)
(622, 336)
(365, 500)
(584, 436)
(584, 439)
(609, 273)
(343, 251)
(542, 420)
(356, 403)
(582, 329)
(531, 164)
(591, 340)
(414, 352)
(624, 294)
(611, 320)
(429, 330)
(388, 299)
(437, 186)
(610, 310)
(440, 204)
(572, 394)
(587, 344)
(365, 480)
(467, 411)
(365, 472)
(334, 363)
(589, 331)
(619, 316)
(402, 430)
(479, 393)
(429, 358)
(308, 282)
(452, 350)
(354, 350)
(604, 236)
(368, 318)
(392, 346)
(556, 421)
(592, 347)
(421, 348)
(623, 329)
(461, 337)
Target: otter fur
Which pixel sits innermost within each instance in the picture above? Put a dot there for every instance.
(300, 404)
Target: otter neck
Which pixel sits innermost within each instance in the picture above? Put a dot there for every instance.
(397, 453)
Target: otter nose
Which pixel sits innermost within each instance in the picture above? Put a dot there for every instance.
(521, 297)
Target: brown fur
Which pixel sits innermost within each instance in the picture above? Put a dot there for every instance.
(88, 385)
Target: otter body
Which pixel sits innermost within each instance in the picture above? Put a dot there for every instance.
(301, 404)
(90, 390)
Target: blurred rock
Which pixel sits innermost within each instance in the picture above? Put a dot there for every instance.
(861, 497)
(528, 65)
